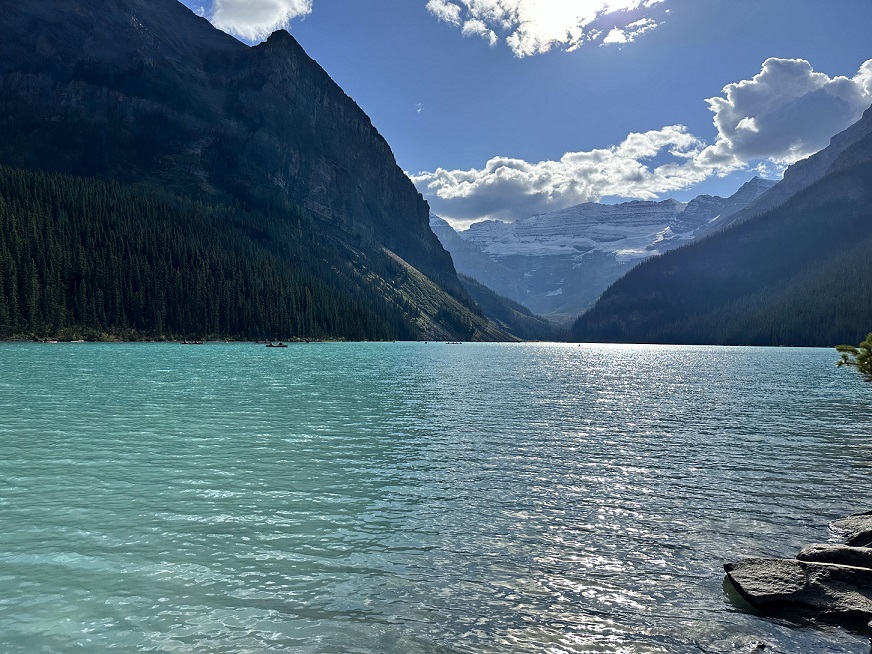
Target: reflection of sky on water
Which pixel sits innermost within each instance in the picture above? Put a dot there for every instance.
(411, 497)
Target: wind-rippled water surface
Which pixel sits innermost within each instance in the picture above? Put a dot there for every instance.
(413, 497)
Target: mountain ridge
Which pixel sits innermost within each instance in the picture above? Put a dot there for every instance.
(796, 274)
(806, 171)
(558, 263)
(151, 95)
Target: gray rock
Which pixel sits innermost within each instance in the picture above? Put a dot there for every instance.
(803, 590)
(863, 539)
(853, 525)
(860, 557)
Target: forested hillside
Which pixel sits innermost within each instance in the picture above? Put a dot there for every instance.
(267, 204)
(87, 258)
(511, 316)
(800, 274)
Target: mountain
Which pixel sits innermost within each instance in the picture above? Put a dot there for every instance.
(557, 264)
(146, 93)
(799, 273)
(510, 316)
(805, 172)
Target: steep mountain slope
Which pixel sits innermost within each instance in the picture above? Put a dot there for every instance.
(510, 316)
(146, 92)
(557, 264)
(805, 172)
(798, 274)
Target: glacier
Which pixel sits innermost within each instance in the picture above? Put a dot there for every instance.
(558, 263)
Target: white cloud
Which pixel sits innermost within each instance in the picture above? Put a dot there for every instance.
(864, 77)
(509, 188)
(629, 33)
(254, 20)
(478, 28)
(445, 11)
(615, 35)
(782, 114)
(536, 26)
(785, 113)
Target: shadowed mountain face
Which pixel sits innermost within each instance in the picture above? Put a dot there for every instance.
(557, 264)
(797, 274)
(807, 171)
(148, 93)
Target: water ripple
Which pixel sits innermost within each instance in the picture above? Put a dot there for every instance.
(411, 497)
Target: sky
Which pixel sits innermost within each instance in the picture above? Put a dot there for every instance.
(501, 109)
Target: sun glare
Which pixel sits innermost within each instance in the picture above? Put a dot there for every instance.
(541, 24)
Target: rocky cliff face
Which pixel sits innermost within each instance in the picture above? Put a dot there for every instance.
(315, 145)
(807, 171)
(146, 92)
(557, 264)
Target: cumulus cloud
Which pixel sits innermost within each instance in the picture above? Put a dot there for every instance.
(536, 26)
(508, 189)
(786, 112)
(445, 11)
(254, 20)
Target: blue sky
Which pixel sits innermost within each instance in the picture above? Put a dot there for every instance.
(505, 108)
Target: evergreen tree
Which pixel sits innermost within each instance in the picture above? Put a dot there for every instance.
(859, 357)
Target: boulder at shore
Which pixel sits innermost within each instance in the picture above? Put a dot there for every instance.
(856, 529)
(860, 557)
(805, 590)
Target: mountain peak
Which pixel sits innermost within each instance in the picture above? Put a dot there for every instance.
(281, 36)
(437, 221)
(153, 95)
(281, 42)
(757, 182)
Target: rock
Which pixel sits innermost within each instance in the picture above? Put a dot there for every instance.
(853, 525)
(860, 557)
(863, 539)
(804, 590)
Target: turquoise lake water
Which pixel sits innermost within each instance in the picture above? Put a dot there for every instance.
(410, 497)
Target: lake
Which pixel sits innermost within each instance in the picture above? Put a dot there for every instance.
(411, 497)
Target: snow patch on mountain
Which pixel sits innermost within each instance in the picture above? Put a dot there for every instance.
(558, 263)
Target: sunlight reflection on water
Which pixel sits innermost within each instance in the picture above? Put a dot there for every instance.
(409, 497)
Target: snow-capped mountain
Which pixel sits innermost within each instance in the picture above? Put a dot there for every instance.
(557, 264)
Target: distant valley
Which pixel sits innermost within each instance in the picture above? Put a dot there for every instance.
(557, 264)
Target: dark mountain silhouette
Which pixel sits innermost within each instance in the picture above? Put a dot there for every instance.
(148, 94)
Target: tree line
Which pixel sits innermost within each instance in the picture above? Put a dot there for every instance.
(88, 258)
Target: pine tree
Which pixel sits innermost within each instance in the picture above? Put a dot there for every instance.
(859, 357)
